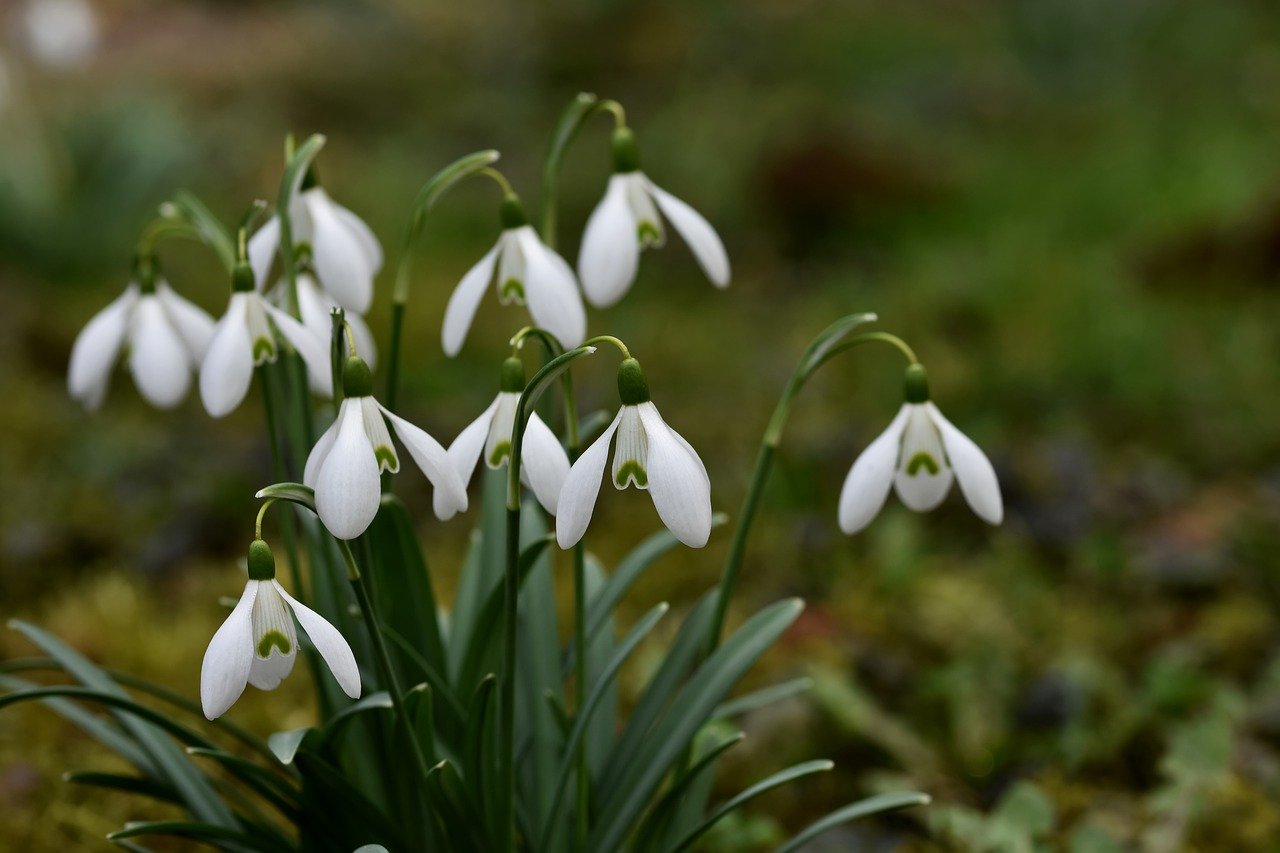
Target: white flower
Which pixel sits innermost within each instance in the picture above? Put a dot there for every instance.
(543, 462)
(626, 220)
(167, 337)
(345, 465)
(246, 337)
(525, 270)
(316, 308)
(919, 454)
(648, 454)
(257, 644)
(344, 250)
(61, 33)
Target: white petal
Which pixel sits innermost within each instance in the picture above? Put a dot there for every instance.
(263, 246)
(314, 354)
(698, 233)
(316, 308)
(467, 447)
(450, 494)
(271, 616)
(158, 358)
(347, 486)
(331, 645)
(497, 446)
(192, 322)
(227, 369)
(465, 300)
(544, 462)
(225, 670)
(97, 347)
(973, 470)
(362, 233)
(631, 451)
(918, 487)
(551, 291)
(318, 454)
(376, 428)
(342, 264)
(869, 480)
(677, 481)
(649, 230)
(581, 488)
(610, 251)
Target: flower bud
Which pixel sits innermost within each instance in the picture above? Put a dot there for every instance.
(626, 156)
(633, 388)
(512, 381)
(262, 563)
(357, 380)
(512, 212)
(916, 384)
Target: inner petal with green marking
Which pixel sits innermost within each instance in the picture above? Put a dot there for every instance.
(273, 639)
(631, 452)
(921, 459)
(511, 290)
(649, 233)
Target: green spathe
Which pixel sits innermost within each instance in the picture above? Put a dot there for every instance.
(633, 388)
(357, 379)
(262, 563)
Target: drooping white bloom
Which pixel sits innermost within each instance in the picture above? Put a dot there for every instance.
(167, 338)
(919, 455)
(316, 308)
(344, 250)
(648, 454)
(258, 644)
(246, 337)
(345, 465)
(626, 221)
(61, 33)
(543, 462)
(525, 271)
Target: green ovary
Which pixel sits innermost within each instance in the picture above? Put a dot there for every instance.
(631, 470)
(922, 460)
(273, 639)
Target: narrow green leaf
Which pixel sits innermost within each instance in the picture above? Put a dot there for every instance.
(691, 707)
(205, 833)
(763, 698)
(458, 821)
(405, 596)
(268, 784)
(111, 700)
(127, 784)
(482, 572)
(420, 702)
(829, 338)
(380, 701)
(478, 758)
(684, 787)
(285, 744)
(862, 808)
(782, 777)
(628, 645)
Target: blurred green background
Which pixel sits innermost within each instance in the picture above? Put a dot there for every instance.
(1070, 208)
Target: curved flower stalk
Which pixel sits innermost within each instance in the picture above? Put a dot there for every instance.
(245, 337)
(919, 455)
(543, 461)
(258, 644)
(525, 271)
(315, 306)
(166, 336)
(627, 220)
(345, 465)
(345, 251)
(648, 454)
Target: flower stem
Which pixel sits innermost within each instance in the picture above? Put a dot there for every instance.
(279, 471)
(575, 115)
(381, 653)
(819, 353)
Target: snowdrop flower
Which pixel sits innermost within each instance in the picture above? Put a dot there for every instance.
(167, 337)
(626, 220)
(258, 643)
(344, 466)
(344, 250)
(246, 337)
(315, 306)
(524, 270)
(543, 462)
(61, 33)
(648, 454)
(919, 455)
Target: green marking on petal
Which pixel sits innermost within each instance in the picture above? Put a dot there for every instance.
(631, 470)
(500, 454)
(648, 233)
(264, 349)
(511, 290)
(922, 460)
(273, 639)
(386, 456)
